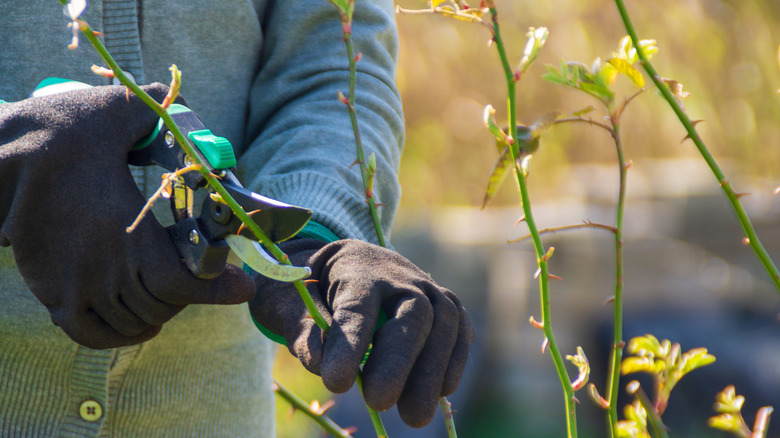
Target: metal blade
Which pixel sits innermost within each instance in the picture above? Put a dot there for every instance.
(279, 220)
(253, 254)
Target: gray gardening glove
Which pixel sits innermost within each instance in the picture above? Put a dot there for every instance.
(66, 198)
(418, 355)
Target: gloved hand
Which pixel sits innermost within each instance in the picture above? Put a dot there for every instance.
(66, 198)
(418, 355)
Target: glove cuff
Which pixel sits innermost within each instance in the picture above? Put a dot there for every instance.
(315, 230)
(312, 230)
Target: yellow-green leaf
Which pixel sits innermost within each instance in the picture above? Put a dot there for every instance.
(727, 422)
(583, 111)
(695, 358)
(608, 74)
(345, 7)
(623, 66)
(636, 364)
(498, 175)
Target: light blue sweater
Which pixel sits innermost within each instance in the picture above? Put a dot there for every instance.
(262, 73)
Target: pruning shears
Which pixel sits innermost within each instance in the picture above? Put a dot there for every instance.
(204, 241)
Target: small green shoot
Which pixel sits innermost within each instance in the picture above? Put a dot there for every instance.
(583, 367)
(664, 361)
(599, 79)
(729, 405)
(635, 423)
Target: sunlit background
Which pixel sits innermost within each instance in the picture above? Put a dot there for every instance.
(688, 276)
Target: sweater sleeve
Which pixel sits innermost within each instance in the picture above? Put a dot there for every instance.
(300, 144)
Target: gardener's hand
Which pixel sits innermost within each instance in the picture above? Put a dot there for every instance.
(417, 356)
(66, 198)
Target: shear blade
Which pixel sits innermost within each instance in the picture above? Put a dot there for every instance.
(253, 254)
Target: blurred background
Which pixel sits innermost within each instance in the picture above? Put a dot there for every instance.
(688, 276)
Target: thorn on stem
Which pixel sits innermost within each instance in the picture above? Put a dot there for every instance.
(535, 323)
(545, 342)
(609, 300)
(554, 277)
(522, 219)
(318, 409)
(740, 195)
(102, 71)
(746, 241)
(358, 57)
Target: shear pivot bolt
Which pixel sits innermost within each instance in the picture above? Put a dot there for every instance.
(169, 140)
(193, 237)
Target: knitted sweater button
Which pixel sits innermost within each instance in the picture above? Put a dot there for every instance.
(90, 410)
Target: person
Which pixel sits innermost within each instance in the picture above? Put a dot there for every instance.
(105, 333)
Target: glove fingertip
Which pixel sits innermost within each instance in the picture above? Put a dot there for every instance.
(340, 365)
(417, 415)
(338, 379)
(306, 345)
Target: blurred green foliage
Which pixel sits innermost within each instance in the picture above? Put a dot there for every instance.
(725, 52)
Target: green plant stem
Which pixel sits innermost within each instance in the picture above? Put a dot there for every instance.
(299, 404)
(731, 194)
(372, 206)
(544, 278)
(361, 156)
(446, 410)
(370, 200)
(376, 420)
(616, 354)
